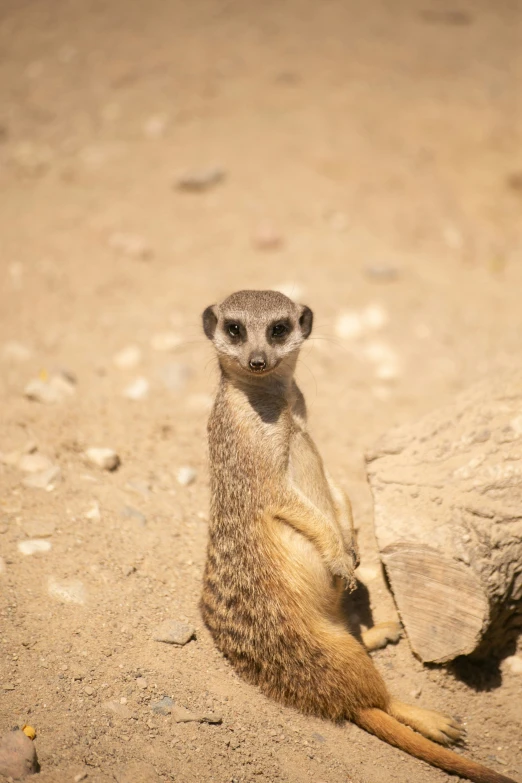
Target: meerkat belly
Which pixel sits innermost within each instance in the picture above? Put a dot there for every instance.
(306, 472)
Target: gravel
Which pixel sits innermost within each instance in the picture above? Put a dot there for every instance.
(174, 632)
(103, 458)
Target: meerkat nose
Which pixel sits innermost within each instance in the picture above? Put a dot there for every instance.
(257, 362)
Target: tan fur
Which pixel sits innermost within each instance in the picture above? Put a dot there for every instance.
(281, 542)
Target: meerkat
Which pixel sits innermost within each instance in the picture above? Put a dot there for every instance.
(282, 547)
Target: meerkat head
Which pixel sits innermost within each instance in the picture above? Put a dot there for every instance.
(257, 332)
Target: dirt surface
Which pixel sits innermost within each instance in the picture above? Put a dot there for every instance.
(372, 166)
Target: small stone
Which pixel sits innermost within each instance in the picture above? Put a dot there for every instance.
(17, 755)
(267, 237)
(131, 245)
(175, 375)
(38, 528)
(173, 632)
(129, 512)
(199, 181)
(141, 488)
(349, 325)
(137, 390)
(354, 323)
(514, 663)
(416, 692)
(93, 513)
(81, 776)
(49, 391)
(34, 545)
(68, 591)
(186, 475)
(46, 479)
(15, 351)
(34, 463)
(142, 683)
(382, 273)
(166, 341)
(88, 690)
(163, 706)
(103, 458)
(117, 709)
(128, 357)
(318, 737)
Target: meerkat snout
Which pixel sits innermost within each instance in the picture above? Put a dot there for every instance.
(257, 332)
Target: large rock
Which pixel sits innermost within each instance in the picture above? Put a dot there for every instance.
(448, 521)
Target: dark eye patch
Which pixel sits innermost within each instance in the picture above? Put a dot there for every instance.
(234, 329)
(279, 330)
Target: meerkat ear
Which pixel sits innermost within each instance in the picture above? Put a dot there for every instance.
(210, 320)
(306, 320)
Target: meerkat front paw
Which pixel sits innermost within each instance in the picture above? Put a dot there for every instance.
(344, 568)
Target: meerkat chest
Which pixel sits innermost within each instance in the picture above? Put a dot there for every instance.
(306, 471)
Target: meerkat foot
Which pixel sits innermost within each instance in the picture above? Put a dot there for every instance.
(381, 635)
(434, 725)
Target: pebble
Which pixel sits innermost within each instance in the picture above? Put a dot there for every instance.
(118, 709)
(68, 591)
(34, 463)
(166, 341)
(103, 458)
(49, 391)
(173, 632)
(34, 545)
(129, 512)
(186, 475)
(354, 323)
(514, 663)
(200, 181)
(137, 390)
(17, 755)
(182, 715)
(128, 357)
(15, 351)
(81, 776)
(382, 273)
(175, 375)
(163, 706)
(131, 245)
(46, 479)
(267, 237)
(384, 358)
(93, 513)
(141, 488)
(89, 690)
(142, 683)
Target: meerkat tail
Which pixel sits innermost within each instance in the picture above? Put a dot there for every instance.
(387, 728)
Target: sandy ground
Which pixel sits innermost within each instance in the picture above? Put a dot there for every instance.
(379, 148)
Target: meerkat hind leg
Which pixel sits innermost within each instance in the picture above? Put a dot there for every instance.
(381, 635)
(434, 725)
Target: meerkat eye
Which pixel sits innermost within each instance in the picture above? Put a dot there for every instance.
(233, 329)
(278, 330)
